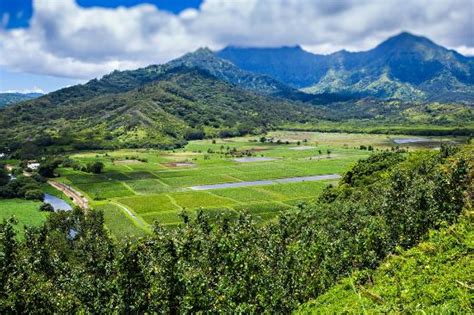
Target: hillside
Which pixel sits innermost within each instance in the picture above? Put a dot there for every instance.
(433, 277)
(12, 98)
(405, 66)
(184, 103)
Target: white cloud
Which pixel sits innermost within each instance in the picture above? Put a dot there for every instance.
(35, 89)
(70, 41)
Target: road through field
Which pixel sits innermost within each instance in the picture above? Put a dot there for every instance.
(72, 193)
(267, 182)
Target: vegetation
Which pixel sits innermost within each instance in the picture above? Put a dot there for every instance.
(433, 277)
(203, 96)
(159, 188)
(25, 212)
(71, 264)
(12, 98)
(163, 114)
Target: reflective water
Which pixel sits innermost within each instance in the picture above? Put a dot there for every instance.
(268, 182)
(410, 140)
(57, 203)
(253, 159)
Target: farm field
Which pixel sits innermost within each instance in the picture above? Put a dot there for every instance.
(140, 186)
(26, 213)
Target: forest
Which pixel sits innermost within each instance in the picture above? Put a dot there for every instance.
(384, 205)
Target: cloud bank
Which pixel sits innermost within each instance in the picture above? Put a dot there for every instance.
(67, 40)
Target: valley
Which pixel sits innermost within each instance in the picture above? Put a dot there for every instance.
(235, 172)
(222, 177)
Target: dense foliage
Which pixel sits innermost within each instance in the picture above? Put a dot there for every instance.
(71, 264)
(434, 277)
(20, 186)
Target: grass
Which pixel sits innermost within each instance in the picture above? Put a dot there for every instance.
(148, 204)
(104, 190)
(243, 195)
(119, 224)
(165, 217)
(296, 190)
(196, 199)
(25, 211)
(148, 186)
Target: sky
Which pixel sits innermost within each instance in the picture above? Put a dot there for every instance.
(49, 44)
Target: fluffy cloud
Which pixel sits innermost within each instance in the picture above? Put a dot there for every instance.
(67, 40)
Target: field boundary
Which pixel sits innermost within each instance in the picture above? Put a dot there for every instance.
(130, 213)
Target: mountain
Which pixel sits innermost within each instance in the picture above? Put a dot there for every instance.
(405, 66)
(291, 65)
(11, 98)
(185, 103)
(203, 58)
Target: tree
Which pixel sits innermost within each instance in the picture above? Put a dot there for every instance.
(48, 167)
(46, 207)
(96, 167)
(4, 177)
(34, 194)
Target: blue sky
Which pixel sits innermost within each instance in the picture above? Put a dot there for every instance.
(49, 44)
(21, 11)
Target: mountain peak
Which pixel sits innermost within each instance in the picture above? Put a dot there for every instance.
(405, 41)
(203, 51)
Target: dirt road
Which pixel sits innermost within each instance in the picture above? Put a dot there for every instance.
(76, 196)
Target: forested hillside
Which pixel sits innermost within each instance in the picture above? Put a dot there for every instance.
(385, 204)
(186, 103)
(433, 277)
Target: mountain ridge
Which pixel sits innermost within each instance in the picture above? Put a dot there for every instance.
(404, 66)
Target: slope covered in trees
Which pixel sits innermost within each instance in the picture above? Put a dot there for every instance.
(186, 103)
(433, 277)
(386, 203)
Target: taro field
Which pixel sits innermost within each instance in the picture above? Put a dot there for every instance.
(227, 176)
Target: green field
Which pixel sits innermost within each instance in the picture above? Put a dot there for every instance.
(26, 213)
(156, 185)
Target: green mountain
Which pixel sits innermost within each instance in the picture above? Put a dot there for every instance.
(405, 66)
(12, 98)
(185, 103)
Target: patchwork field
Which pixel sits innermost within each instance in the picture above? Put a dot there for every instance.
(138, 187)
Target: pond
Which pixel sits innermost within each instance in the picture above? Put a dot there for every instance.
(268, 182)
(57, 203)
(411, 140)
(302, 148)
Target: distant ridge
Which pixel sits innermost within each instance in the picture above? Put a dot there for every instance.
(15, 97)
(404, 66)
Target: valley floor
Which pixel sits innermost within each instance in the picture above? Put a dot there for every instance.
(141, 186)
(222, 177)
